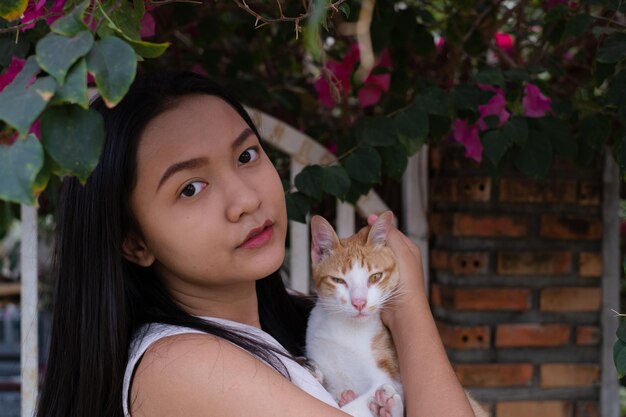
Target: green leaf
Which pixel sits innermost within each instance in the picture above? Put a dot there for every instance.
(376, 131)
(6, 218)
(357, 189)
(534, 159)
(73, 137)
(613, 48)
(12, 9)
(336, 181)
(621, 332)
(577, 25)
(310, 181)
(75, 88)
(148, 49)
(615, 93)
(345, 9)
(563, 142)
(595, 130)
(298, 206)
(433, 100)
(490, 76)
(394, 160)
(621, 154)
(56, 53)
(619, 355)
(19, 165)
(312, 28)
(113, 64)
(20, 105)
(495, 145)
(412, 129)
(364, 165)
(466, 97)
(517, 130)
(72, 23)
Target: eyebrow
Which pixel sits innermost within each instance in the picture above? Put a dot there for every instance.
(198, 162)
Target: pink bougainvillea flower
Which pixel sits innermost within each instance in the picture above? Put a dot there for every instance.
(505, 42)
(496, 106)
(199, 69)
(56, 11)
(551, 4)
(34, 11)
(535, 104)
(148, 26)
(340, 74)
(440, 44)
(15, 67)
(376, 84)
(467, 135)
(332, 148)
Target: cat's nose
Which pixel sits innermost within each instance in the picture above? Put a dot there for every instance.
(359, 303)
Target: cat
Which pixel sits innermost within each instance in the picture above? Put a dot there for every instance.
(346, 339)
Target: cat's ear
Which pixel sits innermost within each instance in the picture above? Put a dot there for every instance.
(323, 239)
(380, 229)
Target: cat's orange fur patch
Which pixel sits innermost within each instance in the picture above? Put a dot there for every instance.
(385, 354)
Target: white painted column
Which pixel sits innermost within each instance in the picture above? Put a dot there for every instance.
(415, 204)
(299, 242)
(609, 392)
(344, 219)
(29, 311)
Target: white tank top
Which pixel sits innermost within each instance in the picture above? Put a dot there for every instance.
(150, 333)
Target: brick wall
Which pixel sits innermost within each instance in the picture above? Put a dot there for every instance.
(515, 284)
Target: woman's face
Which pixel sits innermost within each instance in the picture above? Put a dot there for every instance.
(204, 185)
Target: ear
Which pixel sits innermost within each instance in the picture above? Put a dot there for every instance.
(135, 250)
(323, 239)
(380, 229)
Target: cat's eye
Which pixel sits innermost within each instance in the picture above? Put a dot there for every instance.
(337, 280)
(374, 278)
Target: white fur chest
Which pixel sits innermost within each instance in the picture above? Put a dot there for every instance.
(342, 349)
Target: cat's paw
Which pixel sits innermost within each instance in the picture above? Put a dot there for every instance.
(386, 402)
(346, 397)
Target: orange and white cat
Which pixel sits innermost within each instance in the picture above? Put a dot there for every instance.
(346, 338)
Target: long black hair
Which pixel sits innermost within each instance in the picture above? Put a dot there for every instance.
(101, 298)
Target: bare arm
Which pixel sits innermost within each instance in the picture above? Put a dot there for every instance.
(197, 375)
(430, 385)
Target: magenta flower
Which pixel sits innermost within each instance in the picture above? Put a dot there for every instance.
(467, 135)
(56, 11)
(148, 26)
(341, 74)
(496, 106)
(15, 67)
(505, 42)
(33, 11)
(374, 85)
(535, 104)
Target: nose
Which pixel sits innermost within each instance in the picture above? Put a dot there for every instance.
(359, 303)
(242, 198)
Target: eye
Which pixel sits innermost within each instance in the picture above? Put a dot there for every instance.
(337, 280)
(374, 278)
(192, 189)
(249, 155)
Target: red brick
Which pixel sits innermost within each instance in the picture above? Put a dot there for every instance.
(534, 409)
(439, 259)
(463, 189)
(535, 335)
(588, 335)
(528, 191)
(469, 263)
(491, 299)
(435, 295)
(556, 226)
(570, 299)
(590, 264)
(490, 225)
(534, 263)
(494, 374)
(554, 375)
(589, 193)
(464, 337)
(587, 409)
(440, 223)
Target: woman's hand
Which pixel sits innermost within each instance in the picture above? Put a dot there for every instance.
(409, 259)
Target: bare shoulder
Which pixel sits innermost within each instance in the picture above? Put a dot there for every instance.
(195, 374)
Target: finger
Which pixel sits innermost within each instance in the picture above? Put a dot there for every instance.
(371, 219)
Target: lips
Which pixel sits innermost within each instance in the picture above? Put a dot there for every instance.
(258, 236)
